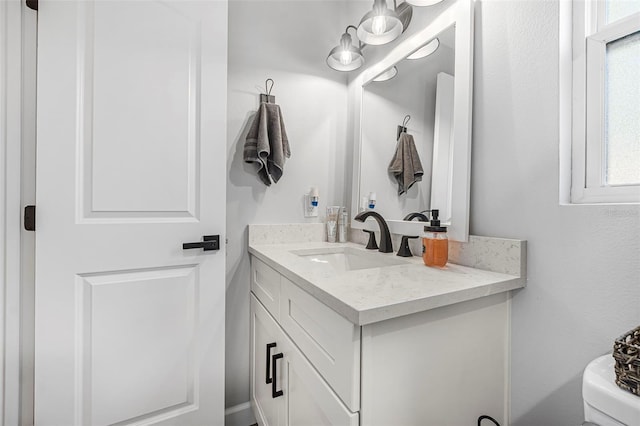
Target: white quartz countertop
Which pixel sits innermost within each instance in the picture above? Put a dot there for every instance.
(376, 294)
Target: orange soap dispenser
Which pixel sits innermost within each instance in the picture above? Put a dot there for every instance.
(435, 244)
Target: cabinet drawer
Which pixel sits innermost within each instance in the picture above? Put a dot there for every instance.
(265, 284)
(328, 340)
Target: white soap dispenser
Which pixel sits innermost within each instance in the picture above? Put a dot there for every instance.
(311, 202)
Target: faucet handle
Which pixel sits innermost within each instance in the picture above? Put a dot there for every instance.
(371, 245)
(405, 251)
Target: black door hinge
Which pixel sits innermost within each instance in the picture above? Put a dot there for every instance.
(30, 218)
(32, 4)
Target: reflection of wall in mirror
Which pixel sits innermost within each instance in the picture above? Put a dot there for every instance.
(441, 176)
(413, 92)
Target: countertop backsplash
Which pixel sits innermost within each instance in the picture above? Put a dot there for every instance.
(287, 233)
(502, 255)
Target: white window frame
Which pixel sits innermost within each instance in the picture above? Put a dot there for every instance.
(583, 63)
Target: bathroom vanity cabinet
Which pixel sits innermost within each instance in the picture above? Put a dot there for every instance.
(311, 365)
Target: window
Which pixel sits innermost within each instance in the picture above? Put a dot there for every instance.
(605, 107)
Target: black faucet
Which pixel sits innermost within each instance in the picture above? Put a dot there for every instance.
(385, 236)
(421, 217)
(405, 251)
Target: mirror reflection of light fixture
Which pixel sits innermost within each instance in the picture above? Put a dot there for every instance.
(387, 75)
(381, 25)
(346, 56)
(423, 2)
(425, 50)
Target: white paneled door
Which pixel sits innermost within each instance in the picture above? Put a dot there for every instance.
(130, 165)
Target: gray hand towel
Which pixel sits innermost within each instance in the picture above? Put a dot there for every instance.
(267, 144)
(405, 165)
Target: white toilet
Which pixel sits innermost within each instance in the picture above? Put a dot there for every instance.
(605, 404)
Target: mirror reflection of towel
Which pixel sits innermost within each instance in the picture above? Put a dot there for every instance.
(405, 165)
(267, 144)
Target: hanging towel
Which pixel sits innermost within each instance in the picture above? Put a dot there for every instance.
(405, 165)
(267, 144)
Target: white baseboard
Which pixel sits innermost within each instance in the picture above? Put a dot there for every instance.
(239, 415)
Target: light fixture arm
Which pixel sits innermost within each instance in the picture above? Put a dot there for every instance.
(346, 31)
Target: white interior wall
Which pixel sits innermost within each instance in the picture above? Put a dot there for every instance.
(583, 286)
(287, 41)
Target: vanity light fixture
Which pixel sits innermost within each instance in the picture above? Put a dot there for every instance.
(425, 50)
(381, 25)
(346, 56)
(423, 2)
(387, 75)
(388, 23)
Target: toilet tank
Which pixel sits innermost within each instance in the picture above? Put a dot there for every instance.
(604, 402)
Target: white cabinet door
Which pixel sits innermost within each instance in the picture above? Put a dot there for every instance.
(267, 341)
(309, 399)
(130, 164)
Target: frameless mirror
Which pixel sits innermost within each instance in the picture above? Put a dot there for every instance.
(427, 80)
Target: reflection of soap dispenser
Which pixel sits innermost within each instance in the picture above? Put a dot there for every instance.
(313, 193)
(435, 244)
(372, 200)
(311, 202)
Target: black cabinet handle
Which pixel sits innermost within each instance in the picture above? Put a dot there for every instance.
(274, 386)
(210, 242)
(269, 347)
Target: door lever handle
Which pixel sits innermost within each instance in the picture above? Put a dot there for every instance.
(210, 242)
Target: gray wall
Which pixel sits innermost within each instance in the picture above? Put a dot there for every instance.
(287, 41)
(583, 289)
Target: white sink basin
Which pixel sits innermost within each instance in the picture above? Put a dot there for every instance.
(344, 259)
